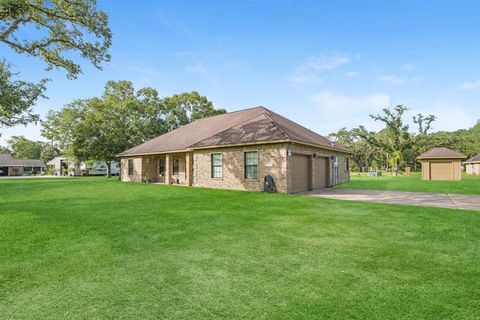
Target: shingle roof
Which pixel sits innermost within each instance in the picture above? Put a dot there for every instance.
(473, 159)
(6, 160)
(441, 152)
(240, 127)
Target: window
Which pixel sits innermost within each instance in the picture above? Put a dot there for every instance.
(130, 167)
(251, 165)
(347, 164)
(216, 159)
(176, 167)
(161, 167)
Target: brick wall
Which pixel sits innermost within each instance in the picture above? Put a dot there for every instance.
(137, 169)
(181, 176)
(271, 160)
(343, 173)
(150, 167)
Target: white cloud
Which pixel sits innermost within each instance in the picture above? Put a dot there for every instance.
(304, 79)
(470, 85)
(398, 80)
(308, 72)
(336, 104)
(352, 74)
(391, 79)
(408, 67)
(335, 111)
(198, 69)
(449, 116)
(326, 62)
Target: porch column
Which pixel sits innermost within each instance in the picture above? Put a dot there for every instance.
(188, 168)
(168, 168)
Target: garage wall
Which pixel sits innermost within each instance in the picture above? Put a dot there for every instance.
(318, 170)
(473, 169)
(441, 169)
(469, 168)
(457, 170)
(321, 177)
(425, 170)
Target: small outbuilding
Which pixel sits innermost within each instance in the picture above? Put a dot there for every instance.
(441, 164)
(472, 165)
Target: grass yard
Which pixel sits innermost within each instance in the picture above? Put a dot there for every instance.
(468, 185)
(90, 248)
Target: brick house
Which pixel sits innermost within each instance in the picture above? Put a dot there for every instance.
(237, 150)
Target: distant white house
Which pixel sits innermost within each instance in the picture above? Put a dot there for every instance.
(63, 166)
(19, 167)
(60, 165)
(99, 168)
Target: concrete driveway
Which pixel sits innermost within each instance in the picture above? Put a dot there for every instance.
(426, 199)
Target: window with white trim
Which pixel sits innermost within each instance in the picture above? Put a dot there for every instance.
(217, 165)
(251, 164)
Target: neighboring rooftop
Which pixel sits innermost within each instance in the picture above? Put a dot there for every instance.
(240, 127)
(442, 152)
(474, 159)
(6, 160)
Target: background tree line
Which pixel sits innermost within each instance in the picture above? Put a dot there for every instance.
(99, 128)
(397, 146)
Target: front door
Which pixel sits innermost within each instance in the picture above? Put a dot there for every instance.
(161, 170)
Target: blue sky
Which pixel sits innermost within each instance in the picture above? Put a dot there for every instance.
(324, 64)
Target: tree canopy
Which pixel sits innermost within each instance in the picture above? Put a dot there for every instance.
(393, 147)
(99, 128)
(17, 98)
(23, 148)
(56, 31)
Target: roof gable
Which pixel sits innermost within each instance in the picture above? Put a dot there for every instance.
(240, 127)
(474, 159)
(6, 160)
(299, 133)
(194, 132)
(258, 129)
(441, 152)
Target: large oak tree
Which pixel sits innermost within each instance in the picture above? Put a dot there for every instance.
(101, 127)
(56, 31)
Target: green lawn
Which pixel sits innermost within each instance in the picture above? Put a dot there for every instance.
(468, 184)
(95, 249)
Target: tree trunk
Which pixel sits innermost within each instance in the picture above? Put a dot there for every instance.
(109, 169)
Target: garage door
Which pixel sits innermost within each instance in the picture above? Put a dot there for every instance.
(300, 173)
(441, 171)
(3, 171)
(321, 173)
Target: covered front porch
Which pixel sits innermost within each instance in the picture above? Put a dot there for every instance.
(168, 168)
